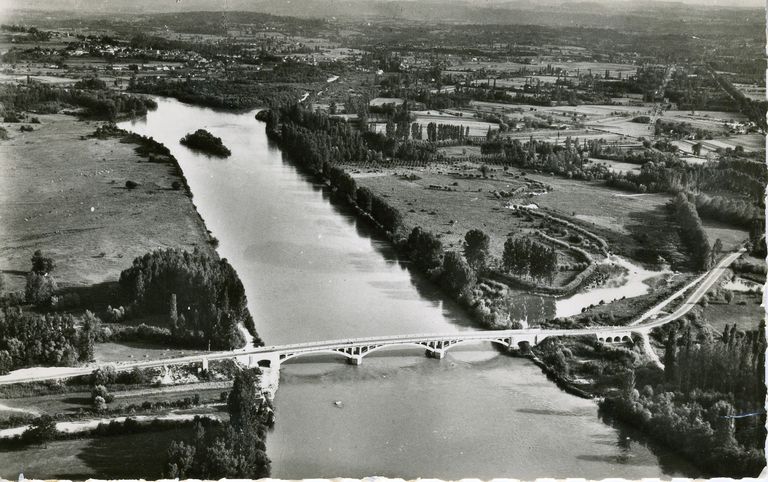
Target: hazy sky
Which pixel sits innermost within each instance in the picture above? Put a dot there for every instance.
(54, 4)
(102, 6)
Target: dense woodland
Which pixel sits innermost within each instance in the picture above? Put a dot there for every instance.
(202, 297)
(97, 104)
(32, 339)
(232, 94)
(711, 401)
(233, 449)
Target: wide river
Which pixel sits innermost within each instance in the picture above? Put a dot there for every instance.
(313, 272)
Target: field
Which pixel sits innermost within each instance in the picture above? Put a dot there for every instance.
(571, 67)
(449, 214)
(732, 238)
(459, 151)
(754, 92)
(615, 166)
(122, 352)
(476, 127)
(709, 120)
(72, 402)
(66, 195)
(470, 204)
(745, 311)
(125, 456)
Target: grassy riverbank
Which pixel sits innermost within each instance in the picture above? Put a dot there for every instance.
(65, 193)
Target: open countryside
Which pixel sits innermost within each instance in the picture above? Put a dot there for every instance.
(295, 242)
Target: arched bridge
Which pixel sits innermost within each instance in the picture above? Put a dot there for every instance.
(434, 345)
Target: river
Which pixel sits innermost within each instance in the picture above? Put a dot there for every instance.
(312, 272)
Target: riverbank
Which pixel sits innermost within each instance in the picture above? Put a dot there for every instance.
(64, 192)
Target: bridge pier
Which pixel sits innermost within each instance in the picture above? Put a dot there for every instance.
(437, 354)
(355, 361)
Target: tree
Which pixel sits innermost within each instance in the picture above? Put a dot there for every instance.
(717, 248)
(173, 315)
(476, 248)
(101, 391)
(42, 264)
(41, 430)
(670, 357)
(696, 149)
(426, 250)
(88, 333)
(99, 404)
(39, 288)
(244, 401)
(180, 460)
(515, 256)
(104, 375)
(458, 277)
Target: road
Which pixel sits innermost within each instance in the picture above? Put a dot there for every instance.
(705, 282)
(643, 324)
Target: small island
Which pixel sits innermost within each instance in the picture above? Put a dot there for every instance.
(202, 140)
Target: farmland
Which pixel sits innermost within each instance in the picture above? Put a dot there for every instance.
(64, 192)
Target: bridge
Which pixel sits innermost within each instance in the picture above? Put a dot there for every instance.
(434, 345)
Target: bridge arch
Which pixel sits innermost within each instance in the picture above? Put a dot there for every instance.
(409, 344)
(318, 352)
(476, 340)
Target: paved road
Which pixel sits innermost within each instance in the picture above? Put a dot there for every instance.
(703, 283)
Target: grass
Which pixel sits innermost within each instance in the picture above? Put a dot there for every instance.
(450, 214)
(131, 351)
(71, 403)
(732, 238)
(66, 196)
(636, 226)
(131, 456)
(746, 316)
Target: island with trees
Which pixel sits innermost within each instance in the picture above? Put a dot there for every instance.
(204, 141)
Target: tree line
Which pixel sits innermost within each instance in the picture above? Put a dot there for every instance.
(692, 232)
(98, 104)
(737, 212)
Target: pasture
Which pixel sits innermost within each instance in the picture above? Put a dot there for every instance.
(64, 193)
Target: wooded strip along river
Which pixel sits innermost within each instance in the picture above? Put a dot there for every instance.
(313, 272)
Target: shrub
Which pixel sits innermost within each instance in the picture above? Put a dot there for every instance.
(104, 375)
(101, 391)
